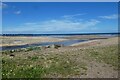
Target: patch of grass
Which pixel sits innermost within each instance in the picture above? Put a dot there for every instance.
(21, 50)
(37, 66)
(64, 65)
(6, 52)
(108, 54)
(32, 48)
(63, 68)
(33, 58)
(22, 71)
(32, 72)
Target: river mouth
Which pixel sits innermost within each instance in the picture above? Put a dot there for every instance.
(65, 43)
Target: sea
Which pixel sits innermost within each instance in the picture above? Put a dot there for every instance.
(62, 35)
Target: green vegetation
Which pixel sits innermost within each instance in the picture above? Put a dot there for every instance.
(37, 63)
(21, 50)
(43, 66)
(33, 58)
(107, 54)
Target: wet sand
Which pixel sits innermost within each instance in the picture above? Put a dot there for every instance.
(13, 41)
(100, 42)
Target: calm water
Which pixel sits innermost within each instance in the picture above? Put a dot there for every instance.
(62, 35)
(65, 43)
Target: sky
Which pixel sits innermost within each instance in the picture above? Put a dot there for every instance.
(59, 17)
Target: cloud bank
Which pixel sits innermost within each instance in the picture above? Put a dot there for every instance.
(64, 25)
(57, 25)
(114, 16)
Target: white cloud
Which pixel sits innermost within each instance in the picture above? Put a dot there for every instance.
(114, 16)
(72, 16)
(57, 25)
(29, 23)
(17, 12)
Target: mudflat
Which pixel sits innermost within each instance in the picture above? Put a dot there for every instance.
(13, 41)
(20, 40)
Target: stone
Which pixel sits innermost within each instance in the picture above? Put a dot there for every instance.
(12, 55)
(56, 46)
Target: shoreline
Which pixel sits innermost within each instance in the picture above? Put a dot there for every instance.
(18, 41)
(80, 43)
(35, 41)
(99, 42)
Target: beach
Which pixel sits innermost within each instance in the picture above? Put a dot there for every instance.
(22, 40)
(99, 42)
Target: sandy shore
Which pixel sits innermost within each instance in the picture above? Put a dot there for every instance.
(13, 41)
(99, 42)
(87, 37)
(87, 42)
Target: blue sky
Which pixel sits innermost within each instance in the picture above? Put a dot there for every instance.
(59, 17)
